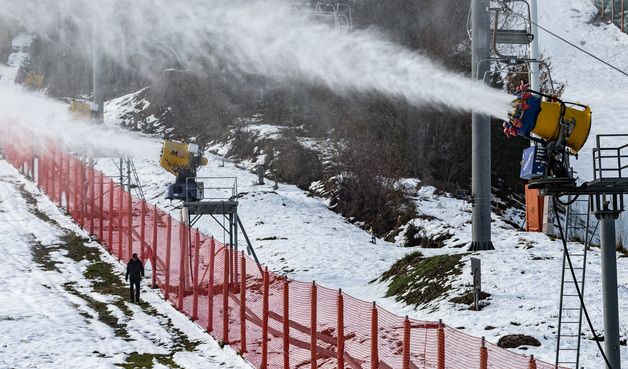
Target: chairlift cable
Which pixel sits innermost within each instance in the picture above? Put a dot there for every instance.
(583, 50)
(573, 275)
(570, 43)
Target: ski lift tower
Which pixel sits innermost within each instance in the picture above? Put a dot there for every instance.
(559, 130)
(501, 35)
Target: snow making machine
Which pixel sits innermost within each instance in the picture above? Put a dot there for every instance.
(557, 128)
(183, 160)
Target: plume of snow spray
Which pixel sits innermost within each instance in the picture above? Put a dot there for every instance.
(22, 111)
(253, 36)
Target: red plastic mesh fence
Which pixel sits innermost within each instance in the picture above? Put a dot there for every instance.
(272, 321)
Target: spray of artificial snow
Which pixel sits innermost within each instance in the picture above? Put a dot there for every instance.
(34, 113)
(261, 37)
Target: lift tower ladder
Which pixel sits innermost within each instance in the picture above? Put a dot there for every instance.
(570, 309)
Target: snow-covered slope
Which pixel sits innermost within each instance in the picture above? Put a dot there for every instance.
(51, 317)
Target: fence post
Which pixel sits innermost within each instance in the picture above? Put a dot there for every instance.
(197, 246)
(210, 286)
(225, 296)
(483, 355)
(313, 325)
(80, 187)
(92, 199)
(441, 345)
(374, 338)
(233, 259)
(75, 208)
(532, 363)
(110, 224)
(142, 229)
(168, 246)
(67, 182)
(153, 252)
(120, 217)
(265, 299)
(130, 227)
(242, 304)
(286, 324)
(341, 331)
(44, 170)
(183, 232)
(101, 203)
(59, 175)
(51, 165)
(406, 343)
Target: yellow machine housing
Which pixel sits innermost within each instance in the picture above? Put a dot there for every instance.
(34, 80)
(548, 123)
(80, 108)
(177, 157)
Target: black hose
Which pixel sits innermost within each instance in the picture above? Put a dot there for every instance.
(557, 199)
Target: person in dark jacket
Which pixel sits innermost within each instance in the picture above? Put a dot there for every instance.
(135, 270)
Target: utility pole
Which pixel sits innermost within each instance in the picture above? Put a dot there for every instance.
(97, 80)
(535, 77)
(480, 133)
(607, 216)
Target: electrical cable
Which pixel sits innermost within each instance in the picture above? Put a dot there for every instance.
(568, 42)
(573, 275)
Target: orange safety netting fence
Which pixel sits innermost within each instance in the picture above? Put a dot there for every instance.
(273, 321)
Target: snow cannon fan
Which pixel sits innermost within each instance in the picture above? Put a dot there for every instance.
(558, 128)
(183, 160)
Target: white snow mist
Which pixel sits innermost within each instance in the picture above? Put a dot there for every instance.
(263, 37)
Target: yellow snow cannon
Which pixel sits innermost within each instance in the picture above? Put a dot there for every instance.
(179, 157)
(538, 116)
(183, 160)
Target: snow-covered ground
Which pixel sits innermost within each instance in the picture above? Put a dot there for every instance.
(49, 316)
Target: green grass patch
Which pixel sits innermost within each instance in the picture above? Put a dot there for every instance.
(418, 280)
(104, 315)
(141, 361)
(77, 249)
(41, 256)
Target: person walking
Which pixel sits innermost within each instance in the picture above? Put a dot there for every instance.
(135, 270)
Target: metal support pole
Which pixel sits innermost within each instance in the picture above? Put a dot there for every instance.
(480, 134)
(97, 72)
(535, 77)
(234, 221)
(231, 239)
(609, 284)
(622, 16)
(128, 175)
(121, 172)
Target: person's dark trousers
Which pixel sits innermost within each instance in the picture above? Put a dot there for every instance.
(135, 291)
